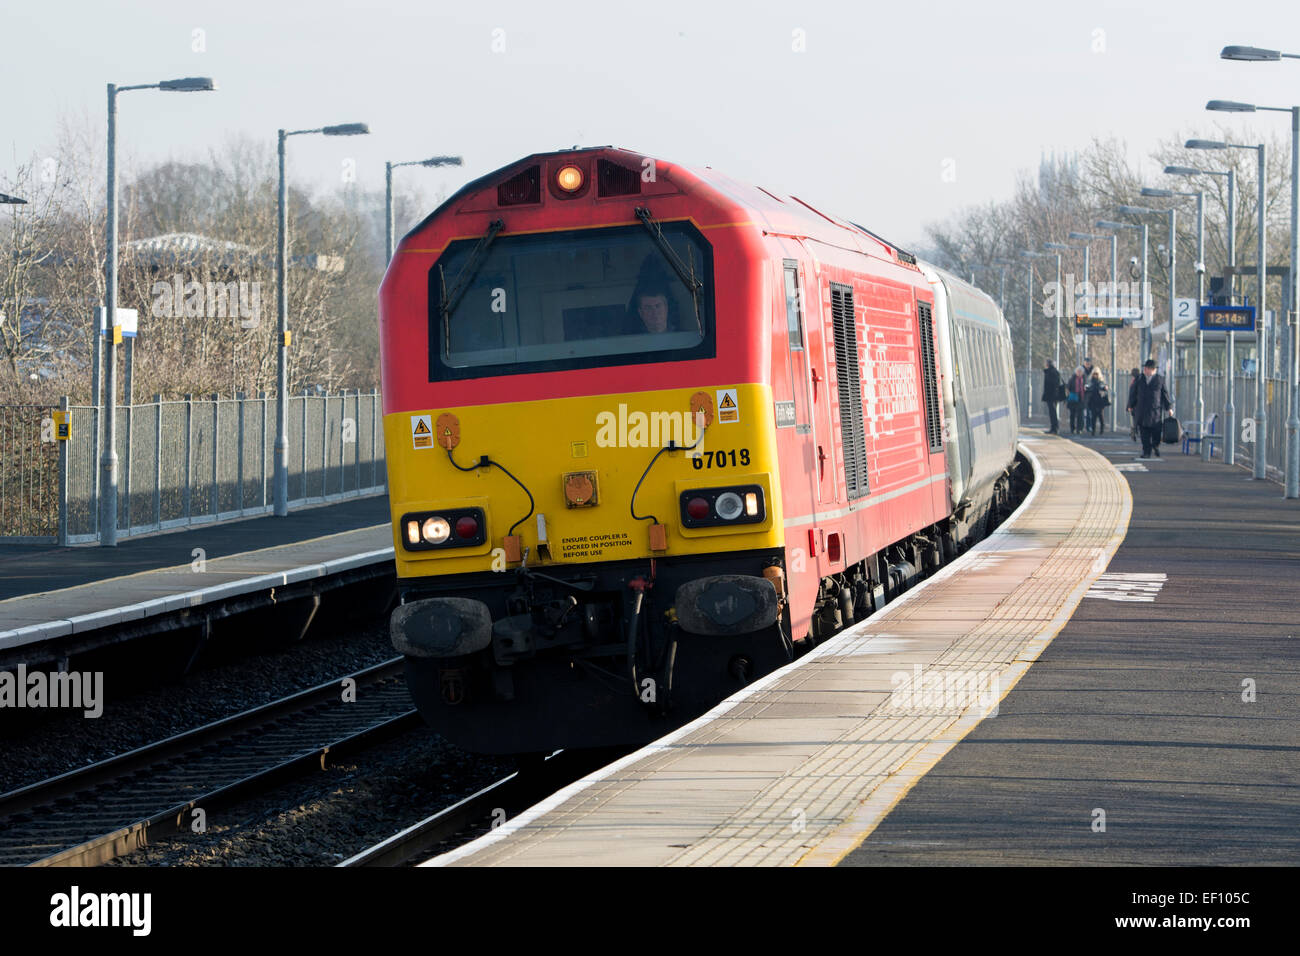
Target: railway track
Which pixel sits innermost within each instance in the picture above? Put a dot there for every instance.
(106, 809)
(480, 811)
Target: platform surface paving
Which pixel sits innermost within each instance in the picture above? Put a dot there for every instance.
(802, 765)
(1170, 702)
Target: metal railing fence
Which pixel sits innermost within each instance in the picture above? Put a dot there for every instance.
(184, 462)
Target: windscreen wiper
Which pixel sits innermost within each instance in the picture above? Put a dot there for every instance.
(687, 275)
(466, 275)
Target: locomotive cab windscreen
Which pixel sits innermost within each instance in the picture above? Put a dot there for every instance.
(551, 301)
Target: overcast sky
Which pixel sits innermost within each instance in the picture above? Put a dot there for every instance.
(859, 108)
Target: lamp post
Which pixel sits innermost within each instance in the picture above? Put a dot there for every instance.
(1029, 327)
(1250, 53)
(108, 460)
(1200, 272)
(388, 192)
(1260, 469)
(1173, 267)
(281, 478)
(1063, 247)
(1152, 192)
(1086, 238)
(1002, 289)
(1230, 361)
(1141, 277)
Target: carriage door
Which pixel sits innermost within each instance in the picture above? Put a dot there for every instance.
(800, 380)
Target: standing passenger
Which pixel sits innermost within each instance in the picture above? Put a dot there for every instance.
(1134, 375)
(1148, 400)
(1096, 401)
(1087, 380)
(1074, 400)
(1052, 395)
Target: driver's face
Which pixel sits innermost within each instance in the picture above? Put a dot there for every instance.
(653, 310)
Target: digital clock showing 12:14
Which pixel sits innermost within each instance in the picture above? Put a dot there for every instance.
(1238, 319)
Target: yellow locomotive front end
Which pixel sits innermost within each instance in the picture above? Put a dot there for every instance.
(582, 458)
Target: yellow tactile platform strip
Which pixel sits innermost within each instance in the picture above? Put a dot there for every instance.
(800, 767)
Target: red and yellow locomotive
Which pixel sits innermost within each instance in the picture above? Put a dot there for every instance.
(646, 429)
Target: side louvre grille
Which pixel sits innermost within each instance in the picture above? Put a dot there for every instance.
(933, 428)
(522, 189)
(615, 180)
(848, 379)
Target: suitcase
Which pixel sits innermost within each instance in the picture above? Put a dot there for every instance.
(1173, 434)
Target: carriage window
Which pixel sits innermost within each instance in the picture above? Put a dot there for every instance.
(793, 305)
(562, 300)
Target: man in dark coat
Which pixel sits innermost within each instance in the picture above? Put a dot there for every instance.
(1148, 400)
(1052, 395)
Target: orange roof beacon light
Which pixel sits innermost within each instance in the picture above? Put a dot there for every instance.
(569, 179)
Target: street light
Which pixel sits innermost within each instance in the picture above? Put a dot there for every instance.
(1088, 237)
(281, 478)
(108, 461)
(1232, 261)
(1068, 248)
(1260, 469)
(1230, 360)
(1049, 245)
(1199, 196)
(1253, 53)
(1029, 328)
(388, 192)
(1002, 288)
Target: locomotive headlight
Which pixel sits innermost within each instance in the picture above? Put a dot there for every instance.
(729, 506)
(412, 532)
(569, 178)
(751, 504)
(436, 530)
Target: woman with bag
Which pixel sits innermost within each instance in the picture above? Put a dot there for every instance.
(1096, 400)
(1074, 400)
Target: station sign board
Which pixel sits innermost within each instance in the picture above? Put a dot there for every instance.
(1094, 321)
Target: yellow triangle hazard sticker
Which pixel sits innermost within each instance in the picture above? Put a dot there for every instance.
(728, 401)
(422, 427)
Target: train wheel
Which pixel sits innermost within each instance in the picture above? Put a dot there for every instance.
(948, 544)
(846, 606)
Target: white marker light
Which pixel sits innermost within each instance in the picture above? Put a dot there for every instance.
(728, 506)
(751, 504)
(436, 530)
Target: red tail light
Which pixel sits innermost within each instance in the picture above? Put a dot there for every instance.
(698, 509)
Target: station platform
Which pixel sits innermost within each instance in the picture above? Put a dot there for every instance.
(1169, 702)
(804, 765)
(49, 592)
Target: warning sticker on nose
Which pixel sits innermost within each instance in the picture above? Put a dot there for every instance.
(422, 431)
(728, 408)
